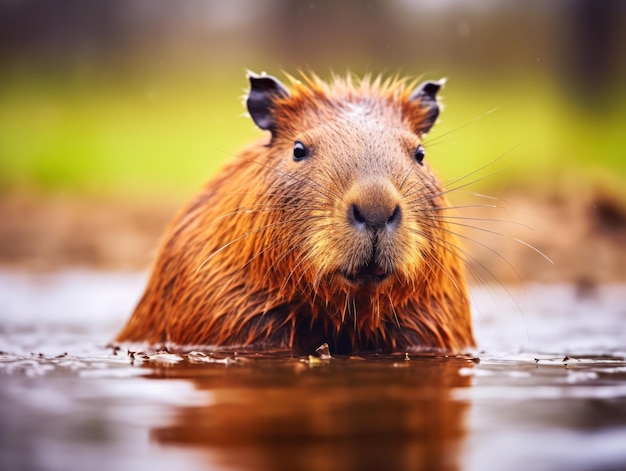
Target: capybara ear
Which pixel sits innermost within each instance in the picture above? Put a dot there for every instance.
(264, 90)
(425, 96)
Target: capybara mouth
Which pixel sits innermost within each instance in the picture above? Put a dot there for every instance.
(372, 273)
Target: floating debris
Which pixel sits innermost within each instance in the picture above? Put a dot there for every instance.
(323, 352)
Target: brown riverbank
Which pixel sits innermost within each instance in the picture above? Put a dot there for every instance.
(585, 236)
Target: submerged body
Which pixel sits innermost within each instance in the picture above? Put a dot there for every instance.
(330, 229)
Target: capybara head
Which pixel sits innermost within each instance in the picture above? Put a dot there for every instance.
(352, 182)
(330, 229)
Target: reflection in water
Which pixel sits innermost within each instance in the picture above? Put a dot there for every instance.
(387, 414)
(549, 393)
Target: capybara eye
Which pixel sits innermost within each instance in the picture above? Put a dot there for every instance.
(419, 154)
(299, 151)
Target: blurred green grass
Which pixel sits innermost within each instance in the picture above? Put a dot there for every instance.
(156, 137)
(163, 137)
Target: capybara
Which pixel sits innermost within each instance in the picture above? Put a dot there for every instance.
(331, 228)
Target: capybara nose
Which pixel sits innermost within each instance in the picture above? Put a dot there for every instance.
(374, 217)
(375, 206)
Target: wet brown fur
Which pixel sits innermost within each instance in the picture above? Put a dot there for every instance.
(258, 258)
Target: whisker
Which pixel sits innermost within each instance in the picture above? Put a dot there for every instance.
(444, 269)
(465, 206)
(261, 252)
(481, 195)
(456, 180)
(452, 220)
(481, 168)
(405, 179)
(247, 210)
(472, 121)
(467, 258)
(393, 310)
(291, 272)
(535, 249)
(236, 239)
(354, 316)
(450, 190)
(340, 187)
(482, 229)
(499, 255)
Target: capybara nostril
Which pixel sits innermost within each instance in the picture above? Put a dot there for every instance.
(356, 217)
(394, 220)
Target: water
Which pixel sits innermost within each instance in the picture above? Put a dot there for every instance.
(548, 391)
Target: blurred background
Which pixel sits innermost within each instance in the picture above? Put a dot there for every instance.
(113, 113)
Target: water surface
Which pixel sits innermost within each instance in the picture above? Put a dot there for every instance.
(545, 390)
